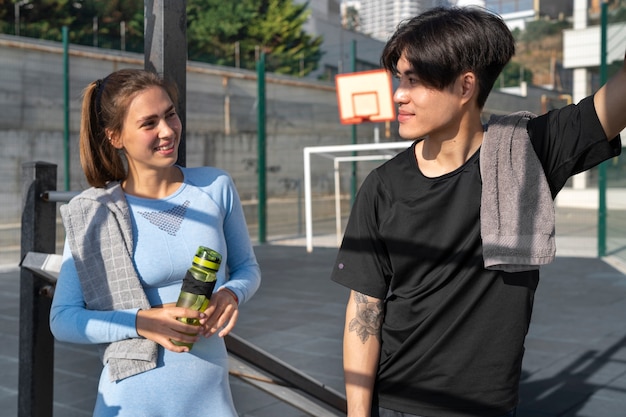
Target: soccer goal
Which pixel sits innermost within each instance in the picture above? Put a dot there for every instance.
(337, 153)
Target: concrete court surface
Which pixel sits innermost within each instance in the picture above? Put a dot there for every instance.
(575, 362)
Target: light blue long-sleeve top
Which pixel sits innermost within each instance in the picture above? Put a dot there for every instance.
(204, 211)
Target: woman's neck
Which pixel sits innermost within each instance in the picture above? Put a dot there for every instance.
(153, 184)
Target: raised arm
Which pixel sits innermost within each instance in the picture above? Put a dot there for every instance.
(361, 350)
(610, 103)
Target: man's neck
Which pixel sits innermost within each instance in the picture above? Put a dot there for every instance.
(439, 155)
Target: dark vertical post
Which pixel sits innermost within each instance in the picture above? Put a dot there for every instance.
(66, 108)
(353, 178)
(165, 44)
(36, 356)
(261, 145)
(602, 211)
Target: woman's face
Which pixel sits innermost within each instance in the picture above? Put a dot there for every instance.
(151, 132)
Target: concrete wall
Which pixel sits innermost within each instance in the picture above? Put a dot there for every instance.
(221, 128)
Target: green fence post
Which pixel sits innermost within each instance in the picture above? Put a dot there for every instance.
(602, 211)
(260, 67)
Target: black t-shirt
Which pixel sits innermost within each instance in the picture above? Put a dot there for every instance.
(453, 332)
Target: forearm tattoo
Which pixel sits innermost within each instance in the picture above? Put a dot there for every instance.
(368, 317)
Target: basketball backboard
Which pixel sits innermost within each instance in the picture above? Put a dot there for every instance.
(365, 96)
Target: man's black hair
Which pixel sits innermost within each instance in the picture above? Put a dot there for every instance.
(443, 42)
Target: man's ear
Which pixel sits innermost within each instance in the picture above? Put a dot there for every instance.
(469, 86)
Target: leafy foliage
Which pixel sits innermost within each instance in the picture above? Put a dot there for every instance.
(231, 33)
(352, 20)
(234, 33)
(215, 26)
(539, 29)
(513, 74)
(90, 22)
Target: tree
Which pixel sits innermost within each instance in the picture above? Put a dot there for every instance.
(233, 33)
(214, 27)
(513, 74)
(230, 33)
(541, 28)
(352, 19)
(99, 23)
(43, 19)
(90, 22)
(6, 16)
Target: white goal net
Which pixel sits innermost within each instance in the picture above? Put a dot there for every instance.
(339, 154)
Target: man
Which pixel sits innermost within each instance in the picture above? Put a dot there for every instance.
(441, 292)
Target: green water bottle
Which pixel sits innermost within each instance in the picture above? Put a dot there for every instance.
(198, 284)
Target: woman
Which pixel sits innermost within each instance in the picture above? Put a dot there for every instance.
(131, 238)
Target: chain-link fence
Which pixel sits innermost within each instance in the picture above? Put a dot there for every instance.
(221, 130)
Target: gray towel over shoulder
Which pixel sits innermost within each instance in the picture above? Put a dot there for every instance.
(100, 237)
(517, 210)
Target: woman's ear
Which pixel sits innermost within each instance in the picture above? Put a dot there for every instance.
(113, 139)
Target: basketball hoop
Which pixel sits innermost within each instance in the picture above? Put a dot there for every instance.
(365, 97)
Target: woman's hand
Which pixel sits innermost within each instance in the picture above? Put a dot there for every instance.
(160, 324)
(221, 314)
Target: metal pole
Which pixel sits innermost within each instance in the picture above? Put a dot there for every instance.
(353, 179)
(165, 45)
(16, 12)
(94, 29)
(16, 7)
(602, 212)
(260, 67)
(36, 353)
(308, 204)
(337, 201)
(66, 112)
(123, 35)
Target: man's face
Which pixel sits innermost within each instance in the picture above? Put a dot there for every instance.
(424, 110)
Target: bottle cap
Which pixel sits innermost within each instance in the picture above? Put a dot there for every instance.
(207, 258)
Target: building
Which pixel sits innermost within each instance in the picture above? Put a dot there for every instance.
(581, 53)
(343, 49)
(517, 12)
(379, 18)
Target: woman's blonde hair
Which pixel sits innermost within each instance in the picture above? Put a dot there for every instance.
(105, 103)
